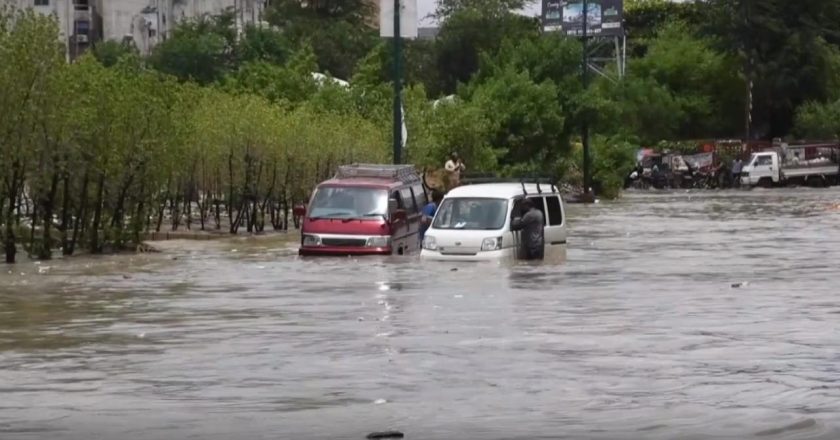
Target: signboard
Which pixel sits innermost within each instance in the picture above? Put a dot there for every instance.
(408, 18)
(603, 17)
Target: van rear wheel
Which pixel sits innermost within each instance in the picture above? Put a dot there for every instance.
(765, 182)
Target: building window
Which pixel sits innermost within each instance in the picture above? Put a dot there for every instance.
(42, 2)
(82, 27)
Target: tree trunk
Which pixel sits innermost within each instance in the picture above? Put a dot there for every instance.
(95, 243)
(162, 205)
(81, 213)
(45, 252)
(9, 245)
(65, 213)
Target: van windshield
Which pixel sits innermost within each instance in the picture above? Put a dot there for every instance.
(348, 202)
(471, 213)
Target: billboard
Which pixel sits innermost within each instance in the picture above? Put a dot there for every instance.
(603, 17)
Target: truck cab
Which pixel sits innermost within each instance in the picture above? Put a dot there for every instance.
(763, 168)
(365, 209)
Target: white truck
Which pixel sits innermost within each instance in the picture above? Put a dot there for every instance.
(816, 165)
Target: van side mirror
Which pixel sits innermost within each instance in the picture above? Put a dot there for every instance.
(299, 210)
(399, 215)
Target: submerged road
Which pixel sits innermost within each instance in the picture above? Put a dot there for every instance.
(690, 315)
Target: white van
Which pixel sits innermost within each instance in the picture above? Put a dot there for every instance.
(473, 222)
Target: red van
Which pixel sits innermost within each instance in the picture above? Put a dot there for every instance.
(364, 210)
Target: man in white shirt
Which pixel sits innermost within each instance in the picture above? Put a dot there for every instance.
(454, 167)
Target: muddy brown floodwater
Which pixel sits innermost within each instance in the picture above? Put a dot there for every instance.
(639, 334)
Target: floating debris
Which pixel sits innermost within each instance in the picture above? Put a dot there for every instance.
(739, 285)
(385, 434)
(379, 401)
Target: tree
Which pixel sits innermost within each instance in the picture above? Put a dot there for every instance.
(109, 52)
(703, 82)
(263, 44)
(202, 50)
(643, 19)
(789, 48)
(31, 55)
(528, 122)
(447, 8)
(339, 31)
(468, 33)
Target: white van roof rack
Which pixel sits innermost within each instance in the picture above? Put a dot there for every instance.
(552, 185)
(401, 173)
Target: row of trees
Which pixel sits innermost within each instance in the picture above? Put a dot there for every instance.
(92, 157)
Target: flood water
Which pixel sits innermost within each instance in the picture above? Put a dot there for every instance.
(639, 334)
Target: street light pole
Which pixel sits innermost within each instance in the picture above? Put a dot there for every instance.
(748, 105)
(397, 85)
(587, 164)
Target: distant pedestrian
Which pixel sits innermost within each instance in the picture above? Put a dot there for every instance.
(533, 231)
(737, 167)
(429, 213)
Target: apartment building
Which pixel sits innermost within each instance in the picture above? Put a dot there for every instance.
(80, 24)
(147, 23)
(144, 23)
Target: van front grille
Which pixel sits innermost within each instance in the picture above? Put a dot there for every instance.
(346, 242)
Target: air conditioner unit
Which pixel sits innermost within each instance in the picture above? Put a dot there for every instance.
(81, 38)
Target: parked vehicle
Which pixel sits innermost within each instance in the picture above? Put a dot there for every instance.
(473, 222)
(365, 209)
(815, 164)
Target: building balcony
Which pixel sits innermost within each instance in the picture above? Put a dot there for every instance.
(83, 12)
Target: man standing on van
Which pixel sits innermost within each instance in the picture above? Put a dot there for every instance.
(454, 167)
(531, 225)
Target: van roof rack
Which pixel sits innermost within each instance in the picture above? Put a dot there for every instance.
(402, 173)
(487, 178)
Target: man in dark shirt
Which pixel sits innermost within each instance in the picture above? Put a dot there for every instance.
(531, 225)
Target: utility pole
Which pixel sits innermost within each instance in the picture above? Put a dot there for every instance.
(748, 104)
(587, 164)
(397, 85)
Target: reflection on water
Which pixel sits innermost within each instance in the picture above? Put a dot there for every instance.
(637, 334)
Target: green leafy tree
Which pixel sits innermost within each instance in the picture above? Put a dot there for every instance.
(447, 8)
(529, 122)
(704, 82)
(202, 50)
(31, 56)
(468, 33)
(110, 52)
(791, 48)
(340, 32)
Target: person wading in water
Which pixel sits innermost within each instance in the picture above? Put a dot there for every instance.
(531, 225)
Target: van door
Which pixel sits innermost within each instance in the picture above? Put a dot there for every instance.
(406, 237)
(555, 231)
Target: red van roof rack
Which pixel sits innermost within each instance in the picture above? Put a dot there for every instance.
(400, 173)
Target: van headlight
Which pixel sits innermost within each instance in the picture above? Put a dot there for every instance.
(311, 240)
(429, 243)
(379, 241)
(491, 244)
